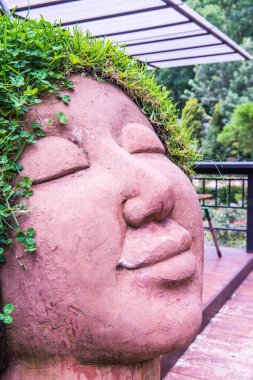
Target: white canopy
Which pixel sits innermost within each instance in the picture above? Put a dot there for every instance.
(163, 33)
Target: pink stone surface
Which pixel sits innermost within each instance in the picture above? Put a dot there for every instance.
(66, 369)
(117, 277)
(52, 158)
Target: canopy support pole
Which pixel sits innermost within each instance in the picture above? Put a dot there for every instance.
(4, 7)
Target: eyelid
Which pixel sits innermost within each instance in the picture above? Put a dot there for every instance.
(138, 138)
(52, 157)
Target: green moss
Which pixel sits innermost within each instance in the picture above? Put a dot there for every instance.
(38, 57)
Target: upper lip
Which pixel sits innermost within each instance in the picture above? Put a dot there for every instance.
(152, 243)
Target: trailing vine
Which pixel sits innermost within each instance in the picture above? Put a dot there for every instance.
(37, 57)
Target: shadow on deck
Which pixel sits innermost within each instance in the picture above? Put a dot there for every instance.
(222, 276)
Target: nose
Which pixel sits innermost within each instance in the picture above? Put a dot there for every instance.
(154, 202)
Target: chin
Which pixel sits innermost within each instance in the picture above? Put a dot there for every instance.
(163, 337)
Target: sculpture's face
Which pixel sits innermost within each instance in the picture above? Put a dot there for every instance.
(118, 272)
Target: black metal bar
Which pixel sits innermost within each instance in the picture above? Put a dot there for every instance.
(112, 16)
(219, 178)
(250, 213)
(221, 206)
(149, 64)
(43, 5)
(160, 26)
(243, 191)
(204, 190)
(203, 26)
(167, 39)
(192, 57)
(229, 193)
(216, 192)
(227, 229)
(177, 49)
(213, 232)
(219, 168)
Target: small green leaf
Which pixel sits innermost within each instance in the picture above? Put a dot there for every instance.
(2, 316)
(30, 91)
(65, 98)
(25, 182)
(30, 233)
(8, 309)
(8, 319)
(4, 160)
(61, 117)
(18, 81)
(74, 59)
(27, 193)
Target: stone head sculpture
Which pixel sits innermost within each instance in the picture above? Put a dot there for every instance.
(118, 271)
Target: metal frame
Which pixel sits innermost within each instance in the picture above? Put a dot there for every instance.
(178, 49)
(143, 29)
(172, 4)
(129, 13)
(233, 168)
(178, 6)
(4, 7)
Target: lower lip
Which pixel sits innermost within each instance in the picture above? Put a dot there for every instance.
(173, 271)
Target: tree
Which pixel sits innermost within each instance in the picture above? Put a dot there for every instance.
(233, 17)
(176, 80)
(231, 83)
(193, 115)
(237, 136)
(213, 149)
(240, 89)
(210, 84)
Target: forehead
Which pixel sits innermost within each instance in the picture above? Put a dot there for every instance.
(95, 108)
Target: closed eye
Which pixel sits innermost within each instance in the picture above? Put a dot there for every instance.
(52, 157)
(138, 138)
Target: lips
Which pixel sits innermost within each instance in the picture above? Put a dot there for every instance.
(163, 249)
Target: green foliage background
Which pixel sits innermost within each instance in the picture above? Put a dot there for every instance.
(38, 57)
(219, 88)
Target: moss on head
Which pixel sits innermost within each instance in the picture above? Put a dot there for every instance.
(37, 57)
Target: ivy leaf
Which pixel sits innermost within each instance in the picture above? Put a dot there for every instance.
(8, 320)
(30, 233)
(4, 160)
(8, 309)
(74, 59)
(18, 81)
(25, 182)
(61, 117)
(27, 193)
(31, 91)
(65, 98)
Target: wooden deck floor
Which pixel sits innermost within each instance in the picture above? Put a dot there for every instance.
(221, 278)
(218, 271)
(224, 349)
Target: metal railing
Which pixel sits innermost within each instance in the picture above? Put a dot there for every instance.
(215, 186)
(230, 175)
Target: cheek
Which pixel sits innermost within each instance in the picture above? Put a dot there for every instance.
(76, 230)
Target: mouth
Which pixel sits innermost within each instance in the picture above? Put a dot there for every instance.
(160, 251)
